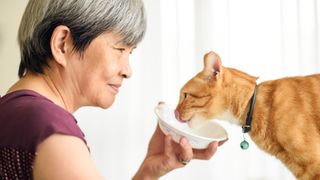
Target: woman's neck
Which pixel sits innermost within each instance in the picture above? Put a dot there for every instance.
(51, 86)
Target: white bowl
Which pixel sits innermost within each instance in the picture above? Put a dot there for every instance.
(199, 137)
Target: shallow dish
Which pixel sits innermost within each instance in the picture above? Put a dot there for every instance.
(199, 137)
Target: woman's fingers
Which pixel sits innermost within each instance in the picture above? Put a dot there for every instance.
(182, 153)
(179, 154)
(206, 154)
(222, 142)
(186, 153)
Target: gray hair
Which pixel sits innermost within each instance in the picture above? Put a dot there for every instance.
(86, 20)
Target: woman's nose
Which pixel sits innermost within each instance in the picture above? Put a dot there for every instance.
(126, 71)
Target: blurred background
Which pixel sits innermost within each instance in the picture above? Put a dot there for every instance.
(266, 38)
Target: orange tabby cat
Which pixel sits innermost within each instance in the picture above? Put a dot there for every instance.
(286, 113)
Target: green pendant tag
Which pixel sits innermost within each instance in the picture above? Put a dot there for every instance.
(244, 145)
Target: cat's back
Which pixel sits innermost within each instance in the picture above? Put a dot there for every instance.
(296, 83)
(299, 94)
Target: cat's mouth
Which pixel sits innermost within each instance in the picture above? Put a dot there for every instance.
(193, 122)
(178, 117)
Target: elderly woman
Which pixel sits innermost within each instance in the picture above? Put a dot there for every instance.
(74, 53)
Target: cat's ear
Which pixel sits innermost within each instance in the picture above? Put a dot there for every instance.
(212, 64)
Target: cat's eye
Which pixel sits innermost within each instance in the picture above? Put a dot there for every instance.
(185, 95)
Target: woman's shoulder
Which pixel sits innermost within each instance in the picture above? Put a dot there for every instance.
(34, 117)
(30, 107)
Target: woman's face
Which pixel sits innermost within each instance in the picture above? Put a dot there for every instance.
(100, 71)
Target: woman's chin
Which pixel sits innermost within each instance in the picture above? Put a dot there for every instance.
(105, 102)
(105, 105)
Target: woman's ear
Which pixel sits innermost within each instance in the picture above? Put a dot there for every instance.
(61, 44)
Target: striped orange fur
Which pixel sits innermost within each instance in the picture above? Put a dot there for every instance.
(286, 116)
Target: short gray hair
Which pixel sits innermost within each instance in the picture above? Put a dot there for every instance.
(86, 20)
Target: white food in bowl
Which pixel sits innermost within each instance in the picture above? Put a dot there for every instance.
(199, 137)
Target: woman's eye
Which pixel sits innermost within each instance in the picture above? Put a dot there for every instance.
(121, 49)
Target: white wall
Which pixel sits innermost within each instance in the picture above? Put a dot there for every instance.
(266, 38)
(10, 15)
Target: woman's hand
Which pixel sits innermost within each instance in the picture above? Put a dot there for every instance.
(164, 155)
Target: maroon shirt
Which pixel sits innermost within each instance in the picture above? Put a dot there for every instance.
(27, 119)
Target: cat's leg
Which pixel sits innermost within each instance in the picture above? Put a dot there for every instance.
(312, 172)
(316, 177)
(301, 147)
(310, 158)
(305, 165)
(309, 177)
(296, 168)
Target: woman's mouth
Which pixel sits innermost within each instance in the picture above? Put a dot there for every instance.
(115, 87)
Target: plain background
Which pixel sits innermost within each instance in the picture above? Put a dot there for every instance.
(265, 38)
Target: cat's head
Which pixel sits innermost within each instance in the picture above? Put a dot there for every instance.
(202, 97)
